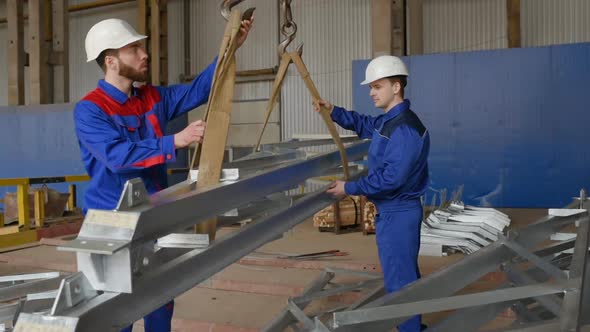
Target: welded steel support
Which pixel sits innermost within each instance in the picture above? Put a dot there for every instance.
(541, 291)
(148, 292)
(457, 276)
(116, 255)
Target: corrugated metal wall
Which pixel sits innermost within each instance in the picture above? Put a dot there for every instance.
(334, 32)
(175, 41)
(83, 75)
(3, 65)
(257, 53)
(547, 22)
(467, 25)
(464, 25)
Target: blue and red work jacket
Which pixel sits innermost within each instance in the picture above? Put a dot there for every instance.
(398, 157)
(123, 137)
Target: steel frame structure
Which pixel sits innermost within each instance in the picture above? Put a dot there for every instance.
(547, 289)
(122, 276)
(120, 268)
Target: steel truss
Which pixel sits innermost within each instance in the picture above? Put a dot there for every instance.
(123, 276)
(545, 287)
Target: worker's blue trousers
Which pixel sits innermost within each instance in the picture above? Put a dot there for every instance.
(398, 241)
(159, 320)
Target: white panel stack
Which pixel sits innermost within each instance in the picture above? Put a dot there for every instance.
(459, 228)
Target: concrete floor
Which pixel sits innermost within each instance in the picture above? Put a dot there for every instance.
(248, 294)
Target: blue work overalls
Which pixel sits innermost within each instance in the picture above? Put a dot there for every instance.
(123, 137)
(397, 177)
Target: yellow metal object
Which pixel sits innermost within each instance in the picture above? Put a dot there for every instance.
(77, 178)
(39, 208)
(14, 182)
(17, 238)
(22, 197)
(72, 199)
(58, 179)
(22, 189)
(8, 230)
(20, 234)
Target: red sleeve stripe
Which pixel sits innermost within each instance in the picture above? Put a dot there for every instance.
(150, 161)
(155, 124)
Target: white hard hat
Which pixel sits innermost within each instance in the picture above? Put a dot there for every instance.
(384, 66)
(111, 33)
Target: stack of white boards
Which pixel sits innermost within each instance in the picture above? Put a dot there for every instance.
(460, 228)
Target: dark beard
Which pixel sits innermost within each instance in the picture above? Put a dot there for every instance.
(132, 74)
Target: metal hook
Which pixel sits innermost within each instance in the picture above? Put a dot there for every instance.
(286, 10)
(289, 29)
(282, 48)
(227, 5)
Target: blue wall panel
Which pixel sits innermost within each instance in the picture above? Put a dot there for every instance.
(508, 124)
(37, 141)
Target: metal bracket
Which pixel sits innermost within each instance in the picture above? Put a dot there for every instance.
(227, 174)
(134, 194)
(32, 322)
(74, 289)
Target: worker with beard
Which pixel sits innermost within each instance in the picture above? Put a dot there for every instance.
(121, 128)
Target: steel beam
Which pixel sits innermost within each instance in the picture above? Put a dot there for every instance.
(21, 290)
(573, 308)
(192, 206)
(538, 261)
(286, 318)
(468, 270)
(471, 319)
(112, 245)
(397, 313)
(150, 293)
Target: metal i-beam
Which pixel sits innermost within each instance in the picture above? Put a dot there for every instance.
(286, 318)
(21, 290)
(479, 315)
(534, 285)
(112, 245)
(170, 280)
(400, 312)
(188, 206)
(574, 308)
(470, 269)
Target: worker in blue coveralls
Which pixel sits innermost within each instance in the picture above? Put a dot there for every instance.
(121, 128)
(397, 175)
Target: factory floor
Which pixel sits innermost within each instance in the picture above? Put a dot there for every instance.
(249, 293)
